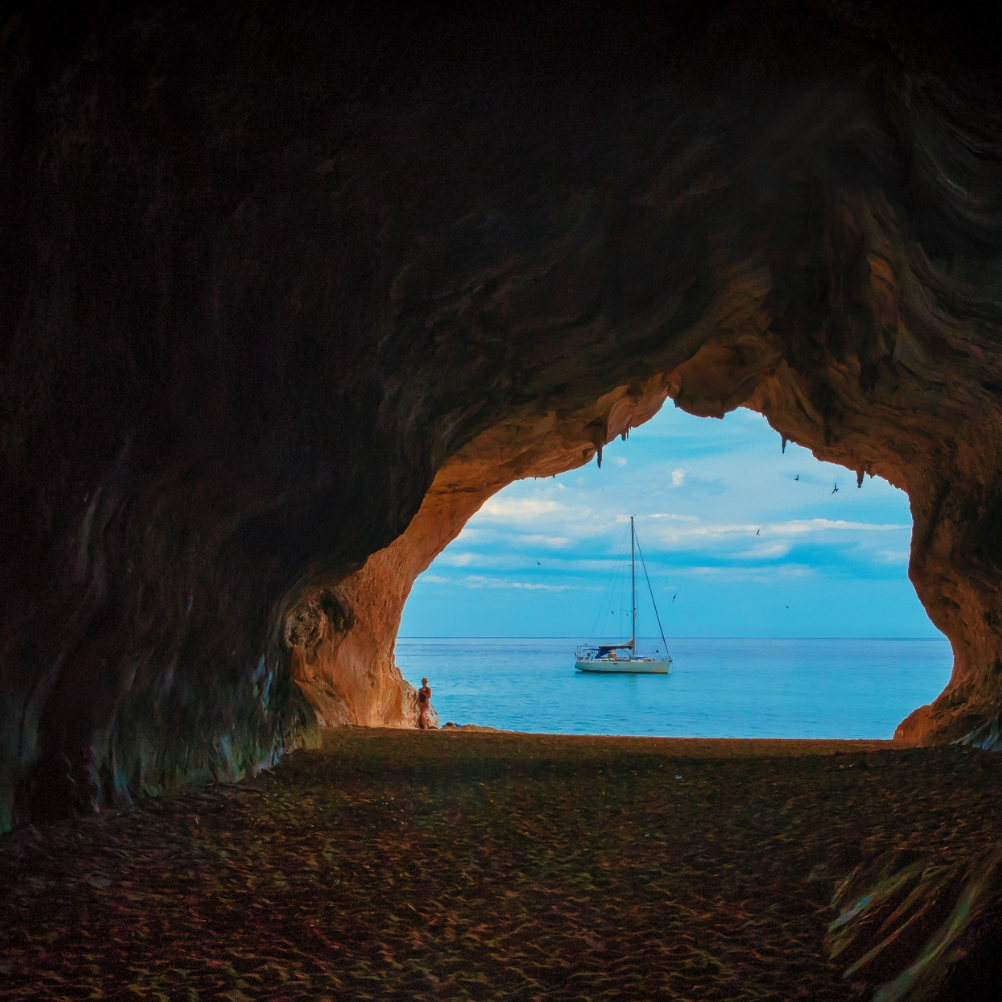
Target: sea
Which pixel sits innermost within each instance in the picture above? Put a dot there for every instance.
(717, 688)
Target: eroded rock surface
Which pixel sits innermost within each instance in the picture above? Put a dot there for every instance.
(290, 289)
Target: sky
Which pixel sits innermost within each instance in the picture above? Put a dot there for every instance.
(735, 545)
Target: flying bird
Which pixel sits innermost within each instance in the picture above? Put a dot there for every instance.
(797, 477)
(674, 596)
(758, 532)
(835, 488)
(539, 563)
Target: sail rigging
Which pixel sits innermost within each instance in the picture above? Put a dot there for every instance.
(643, 563)
(603, 657)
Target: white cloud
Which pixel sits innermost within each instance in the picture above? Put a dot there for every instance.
(519, 509)
(677, 477)
(758, 575)
(766, 550)
(554, 542)
(620, 460)
(794, 571)
(705, 534)
(483, 581)
(503, 561)
(701, 532)
(480, 581)
(800, 526)
(458, 559)
(893, 556)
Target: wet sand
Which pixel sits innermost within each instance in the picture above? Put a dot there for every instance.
(482, 865)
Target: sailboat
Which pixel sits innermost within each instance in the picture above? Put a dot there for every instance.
(623, 657)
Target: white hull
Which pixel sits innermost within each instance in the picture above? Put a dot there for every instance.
(655, 666)
(603, 659)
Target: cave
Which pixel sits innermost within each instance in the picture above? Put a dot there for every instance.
(291, 289)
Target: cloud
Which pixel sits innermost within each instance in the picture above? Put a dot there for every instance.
(458, 559)
(759, 575)
(477, 581)
(800, 526)
(794, 571)
(519, 509)
(695, 534)
(766, 550)
(702, 532)
(480, 581)
(893, 556)
(677, 477)
(620, 460)
(504, 561)
(554, 542)
(518, 560)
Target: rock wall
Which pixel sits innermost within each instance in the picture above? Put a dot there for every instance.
(349, 674)
(290, 289)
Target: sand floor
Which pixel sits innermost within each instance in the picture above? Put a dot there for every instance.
(483, 865)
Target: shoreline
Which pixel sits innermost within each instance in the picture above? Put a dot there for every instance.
(697, 747)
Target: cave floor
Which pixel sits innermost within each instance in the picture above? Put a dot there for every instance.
(461, 864)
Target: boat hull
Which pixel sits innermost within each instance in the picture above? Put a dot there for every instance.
(652, 667)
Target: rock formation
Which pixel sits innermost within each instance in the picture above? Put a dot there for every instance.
(921, 929)
(290, 289)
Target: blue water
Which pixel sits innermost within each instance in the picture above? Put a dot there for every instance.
(855, 688)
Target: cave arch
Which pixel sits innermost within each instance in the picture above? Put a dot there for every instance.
(479, 471)
(290, 293)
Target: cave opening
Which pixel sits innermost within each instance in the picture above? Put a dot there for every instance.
(781, 580)
(290, 292)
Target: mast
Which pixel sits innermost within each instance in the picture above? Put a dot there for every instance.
(633, 587)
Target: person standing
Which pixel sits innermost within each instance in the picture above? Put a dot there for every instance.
(424, 704)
